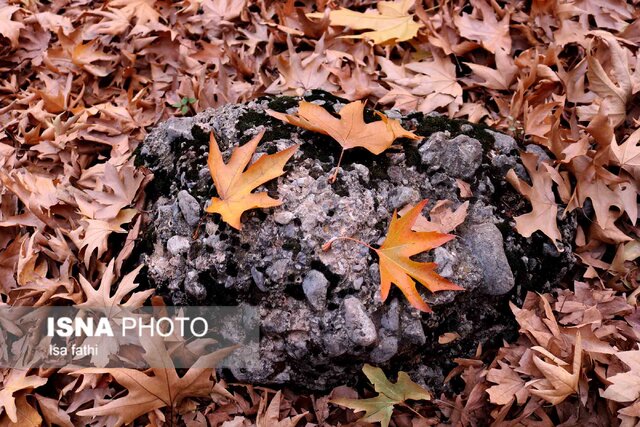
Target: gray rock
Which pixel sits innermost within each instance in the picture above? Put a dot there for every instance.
(503, 143)
(178, 245)
(176, 128)
(361, 330)
(446, 261)
(538, 151)
(460, 157)
(267, 262)
(194, 289)
(258, 279)
(189, 207)
(315, 287)
(486, 242)
(401, 196)
(466, 128)
(385, 350)
(283, 217)
(412, 329)
(391, 319)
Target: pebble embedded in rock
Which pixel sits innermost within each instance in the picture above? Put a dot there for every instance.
(503, 143)
(385, 350)
(283, 217)
(361, 330)
(189, 207)
(486, 241)
(178, 245)
(401, 196)
(460, 157)
(315, 287)
(194, 288)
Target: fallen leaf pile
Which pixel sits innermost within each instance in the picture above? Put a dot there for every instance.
(82, 82)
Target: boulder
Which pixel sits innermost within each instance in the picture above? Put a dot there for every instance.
(322, 316)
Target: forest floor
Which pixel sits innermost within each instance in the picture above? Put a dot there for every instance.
(82, 83)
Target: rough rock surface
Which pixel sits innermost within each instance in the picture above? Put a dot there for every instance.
(321, 311)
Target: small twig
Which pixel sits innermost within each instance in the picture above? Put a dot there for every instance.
(411, 409)
(327, 245)
(333, 177)
(196, 232)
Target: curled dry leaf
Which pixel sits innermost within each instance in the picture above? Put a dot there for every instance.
(350, 130)
(269, 416)
(448, 337)
(17, 380)
(558, 383)
(625, 387)
(443, 218)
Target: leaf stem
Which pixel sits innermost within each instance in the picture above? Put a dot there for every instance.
(404, 404)
(327, 245)
(333, 177)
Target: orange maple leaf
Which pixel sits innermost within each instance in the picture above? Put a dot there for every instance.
(396, 265)
(350, 130)
(235, 186)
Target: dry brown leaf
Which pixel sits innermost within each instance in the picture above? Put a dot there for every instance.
(269, 416)
(423, 86)
(101, 297)
(465, 189)
(627, 154)
(9, 28)
(16, 381)
(509, 386)
(558, 383)
(124, 185)
(540, 194)
(52, 412)
(97, 231)
(27, 415)
(163, 388)
(448, 337)
(501, 77)
(488, 31)
(625, 387)
(615, 95)
(593, 182)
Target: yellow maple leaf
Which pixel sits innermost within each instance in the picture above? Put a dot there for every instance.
(391, 23)
(235, 185)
